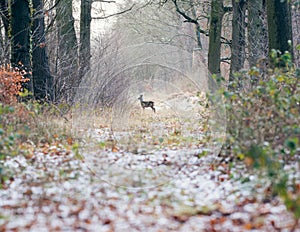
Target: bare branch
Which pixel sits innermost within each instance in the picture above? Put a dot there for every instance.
(118, 13)
(225, 41)
(225, 60)
(50, 24)
(104, 1)
(188, 18)
(51, 8)
(227, 9)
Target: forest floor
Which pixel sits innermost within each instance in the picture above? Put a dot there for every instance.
(170, 186)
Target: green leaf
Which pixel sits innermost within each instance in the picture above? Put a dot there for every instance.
(241, 156)
(291, 143)
(102, 145)
(25, 93)
(203, 153)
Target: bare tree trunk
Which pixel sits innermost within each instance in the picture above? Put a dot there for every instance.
(214, 52)
(279, 25)
(20, 33)
(42, 79)
(85, 38)
(238, 53)
(5, 59)
(257, 31)
(296, 31)
(4, 15)
(197, 25)
(67, 52)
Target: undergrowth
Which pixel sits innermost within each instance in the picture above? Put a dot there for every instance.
(22, 123)
(264, 125)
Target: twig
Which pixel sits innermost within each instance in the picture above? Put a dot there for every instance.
(118, 13)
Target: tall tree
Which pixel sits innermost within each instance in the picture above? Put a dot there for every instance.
(85, 38)
(67, 52)
(42, 79)
(214, 52)
(296, 30)
(20, 32)
(238, 53)
(2, 52)
(257, 31)
(279, 25)
(4, 14)
(5, 58)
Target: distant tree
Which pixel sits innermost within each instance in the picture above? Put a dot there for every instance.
(257, 28)
(67, 64)
(238, 53)
(4, 15)
(20, 38)
(214, 52)
(189, 12)
(42, 79)
(2, 47)
(4, 37)
(85, 38)
(296, 30)
(279, 25)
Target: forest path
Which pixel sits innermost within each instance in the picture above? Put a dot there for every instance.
(53, 191)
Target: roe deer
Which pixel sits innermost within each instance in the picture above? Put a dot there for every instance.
(146, 104)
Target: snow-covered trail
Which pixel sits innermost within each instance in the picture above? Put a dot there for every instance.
(54, 191)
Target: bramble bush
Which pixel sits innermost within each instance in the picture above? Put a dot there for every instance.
(263, 109)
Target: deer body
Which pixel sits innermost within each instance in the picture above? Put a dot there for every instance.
(146, 104)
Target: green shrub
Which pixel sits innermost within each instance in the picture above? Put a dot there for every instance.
(264, 123)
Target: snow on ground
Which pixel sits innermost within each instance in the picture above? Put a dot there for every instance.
(115, 190)
(156, 174)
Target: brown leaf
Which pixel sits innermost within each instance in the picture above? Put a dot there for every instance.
(106, 221)
(28, 192)
(114, 149)
(248, 161)
(248, 226)
(181, 218)
(70, 141)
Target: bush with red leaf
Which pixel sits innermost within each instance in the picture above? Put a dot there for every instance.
(10, 84)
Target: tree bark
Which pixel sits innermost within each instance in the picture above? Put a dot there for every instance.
(279, 25)
(197, 25)
(4, 15)
(257, 36)
(214, 51)
(67, 52)
(42, 79)
(238, 53)
(20, 42)
(85, 38)
(296, 31)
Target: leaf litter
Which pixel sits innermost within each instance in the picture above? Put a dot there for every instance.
(165, 189)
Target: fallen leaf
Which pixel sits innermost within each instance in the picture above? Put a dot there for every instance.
(248, 226)
(114, 149)
(70, 141)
